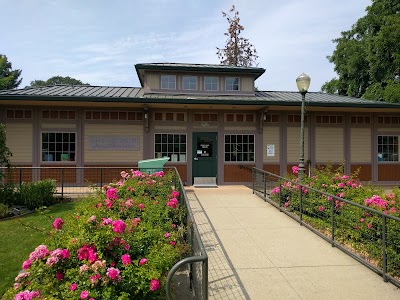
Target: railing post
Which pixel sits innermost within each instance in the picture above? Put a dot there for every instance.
(205, 280)
(253, 172)
(101, 177)
(301, 205)
(62, 183)
(384, 257)
(20, 177)
(265, 185)
(333, 223)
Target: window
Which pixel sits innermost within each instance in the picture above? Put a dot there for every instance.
(189, 83)
(326, 119)
(200, 117)
(239, 147)
(114, 115)
(211, 83)
(232, 83)
(171, 145)
(168, 82)
(19, 114)
(58, 146)
(58, 114)
(388, 148)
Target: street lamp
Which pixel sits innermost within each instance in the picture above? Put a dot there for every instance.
(303, 83)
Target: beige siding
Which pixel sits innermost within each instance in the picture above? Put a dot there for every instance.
(112, 130)
(271, 137)
(395, 130)
(239, 128)
(19, 141)
(58, 126)
(293, 144)
(247, 84)
(153, 81)
(160, 127)
(329, 145)
(360, 145)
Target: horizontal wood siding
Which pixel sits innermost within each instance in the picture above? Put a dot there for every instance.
(153, 81)
(365, 171)
(112, 130)
(271, 137)
(59, 174)
(247, 84)
(360, 145)
(19, 141)
(182, 170)
(275, 169)
(329, 144)
(58, 126)
(293, 144)
(233, 173)
(19, 175)
(389, 172)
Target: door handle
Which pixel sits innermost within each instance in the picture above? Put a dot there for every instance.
(195, 158)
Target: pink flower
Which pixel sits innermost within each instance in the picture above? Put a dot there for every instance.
(73, 287)
(87, 252)
(136, 221)
(167, 235)
(84, 294)
(287, 204)
(173, 203)
(92, 219)
(141, 206)
(341, 185)
(369, 225)
(321, 208)
(26, 264)
(175, 194)
(154, 285)
(275, 190)
(84, 268)
(362, 220)
(172, 243)
(58, 224)
(109, 203)
(106, 221)
(119, 226)
(27, 295)
(113, 274)
(59, 275)
(126, 259)
(112, 194)
(94, 278)
(173, 225)
(39, 253)
(295, 169)
(329, 198)
(142, 261)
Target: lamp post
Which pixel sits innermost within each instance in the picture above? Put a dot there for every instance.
(303, 83)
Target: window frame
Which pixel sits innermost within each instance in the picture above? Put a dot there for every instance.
(181, 155)
(211, 84)
(231, 85)
(58, 153)
(390, 153)
(190, 83)
(249, 153)
(166, 82)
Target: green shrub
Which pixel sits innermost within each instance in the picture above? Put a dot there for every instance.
(37, 194)
(8, 194)
(4, 212)
(119, 244)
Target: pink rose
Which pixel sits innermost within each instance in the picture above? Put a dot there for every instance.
(26, 264)
(58, 224)
(112, 194)
(59, 275)
(84, 294)
(154, 284)
(126, 259)
(167, 235)
(73, 287)
(119, 226)
(113, 274)
(142, 261)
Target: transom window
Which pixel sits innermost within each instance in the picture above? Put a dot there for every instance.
(239, 147)
(171, 145)
(211, 83)
(58, 146)
(232, 83)
(388, 148)
(168, 82)
(189, 82)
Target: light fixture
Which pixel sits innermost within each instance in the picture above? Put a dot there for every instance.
(303, 83)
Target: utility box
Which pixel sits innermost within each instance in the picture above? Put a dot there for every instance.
(152, 165)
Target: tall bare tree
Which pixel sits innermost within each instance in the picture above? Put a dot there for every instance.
(238, 51)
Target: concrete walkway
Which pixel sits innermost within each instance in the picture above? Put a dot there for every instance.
(257, 252)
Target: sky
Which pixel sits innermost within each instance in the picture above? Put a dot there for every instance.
(99, 42)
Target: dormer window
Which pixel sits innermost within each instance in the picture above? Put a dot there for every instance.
(189, 83)
(232, 83)
(211, 83)
(168, 82)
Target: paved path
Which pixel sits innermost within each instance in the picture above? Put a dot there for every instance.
(257, 252)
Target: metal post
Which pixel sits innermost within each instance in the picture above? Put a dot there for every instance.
(301, 159)
(384, 257)
(265, 185)
(20, 177)
(253, 172)
(101, 177)
(333, 223)
(301, 204)
(62, 183)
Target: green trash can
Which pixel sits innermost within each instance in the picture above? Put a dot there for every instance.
(152, 165)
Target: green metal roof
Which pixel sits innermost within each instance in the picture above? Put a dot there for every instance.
(137, 95)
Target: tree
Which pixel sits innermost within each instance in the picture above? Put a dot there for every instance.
(238, 51)
(9, 78)
(57, 80)
(5, 153)
(367, 57)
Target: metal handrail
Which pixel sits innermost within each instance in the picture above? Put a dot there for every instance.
(263, 194)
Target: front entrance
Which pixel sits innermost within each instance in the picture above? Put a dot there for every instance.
(205, 152)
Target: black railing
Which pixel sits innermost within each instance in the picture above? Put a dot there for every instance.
(378, 248)
(72, 181)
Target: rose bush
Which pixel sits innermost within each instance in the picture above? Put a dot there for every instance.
(119, 244)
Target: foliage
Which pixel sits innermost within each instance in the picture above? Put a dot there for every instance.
(5, 152)
(9, 78)
(331, 194)
(3, 210)
(367, 57)
(57, 80)
(37, 194)
(18, 236)
(8, 194)
(120, 244)
(237, 51)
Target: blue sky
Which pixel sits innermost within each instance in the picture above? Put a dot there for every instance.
(99, 41)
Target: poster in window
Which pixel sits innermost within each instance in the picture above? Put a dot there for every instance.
(270, 150)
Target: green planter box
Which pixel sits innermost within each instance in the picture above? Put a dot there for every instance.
(152, 165)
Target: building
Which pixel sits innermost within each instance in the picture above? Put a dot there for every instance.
(208, 119)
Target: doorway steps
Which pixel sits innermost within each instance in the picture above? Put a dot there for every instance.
(206, 182)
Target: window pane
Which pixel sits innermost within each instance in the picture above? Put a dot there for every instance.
(58, 146)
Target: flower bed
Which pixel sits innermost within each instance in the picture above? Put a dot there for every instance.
(324, 203)
(120, 244)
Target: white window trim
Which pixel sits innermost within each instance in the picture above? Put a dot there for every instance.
(58, 161)
(168, 82)
(190, 83)
(212, 84)
(226, 86)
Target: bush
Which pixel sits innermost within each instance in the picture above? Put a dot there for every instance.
(120, 244)
(37, 194)
(8, 194)
(4, 212)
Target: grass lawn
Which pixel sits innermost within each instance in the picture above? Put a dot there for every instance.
(20, 236)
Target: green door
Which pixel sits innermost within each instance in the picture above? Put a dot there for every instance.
(204, 154)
